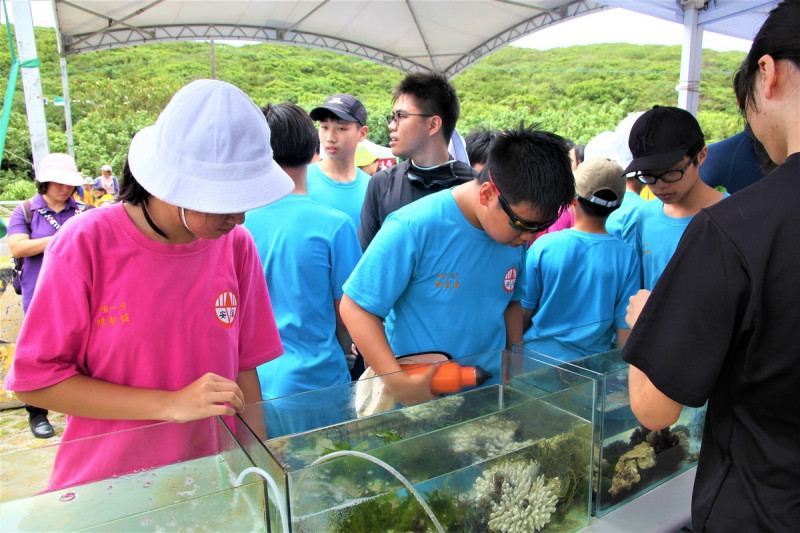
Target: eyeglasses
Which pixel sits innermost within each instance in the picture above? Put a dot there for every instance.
(397, 115)
(670, 176)
(513, 220)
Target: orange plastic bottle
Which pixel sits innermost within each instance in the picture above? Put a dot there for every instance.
(451, 377)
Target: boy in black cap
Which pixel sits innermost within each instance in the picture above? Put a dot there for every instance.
(581, 276)
(668, 149)
(335, 180)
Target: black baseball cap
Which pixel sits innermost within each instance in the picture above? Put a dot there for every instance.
(344, 106)
(661, 137)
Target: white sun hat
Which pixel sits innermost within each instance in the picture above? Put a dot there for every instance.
(59, 168)
(209, 151)
(622, 133)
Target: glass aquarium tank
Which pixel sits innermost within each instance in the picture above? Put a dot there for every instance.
(629, 459)
(494, 456)
(203, 489)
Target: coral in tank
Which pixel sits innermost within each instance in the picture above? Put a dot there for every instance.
(630, 467)
(517, 497)
(442, 408)
(490, 437)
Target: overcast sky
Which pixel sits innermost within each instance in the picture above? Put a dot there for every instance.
(610, 26)
(621, 25)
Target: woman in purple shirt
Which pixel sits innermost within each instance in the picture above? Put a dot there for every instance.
(29, 231)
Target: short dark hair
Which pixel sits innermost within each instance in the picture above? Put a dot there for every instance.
(532, 166)
(130, 190)
(478, 142)
(293, 137)
(580, 151)
(433, 94)
(776, 38)
(41, 187)
(596, 210)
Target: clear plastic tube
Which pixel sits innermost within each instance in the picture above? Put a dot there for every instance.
(273, 486)
(392, 471)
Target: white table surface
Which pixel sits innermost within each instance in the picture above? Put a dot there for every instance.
(666, 508)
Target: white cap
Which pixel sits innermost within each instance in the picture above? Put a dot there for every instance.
(106, 168)
(622, 133)
(601, 145)
(209, 151)
(59, 168)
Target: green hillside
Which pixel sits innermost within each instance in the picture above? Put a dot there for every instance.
(577, 92)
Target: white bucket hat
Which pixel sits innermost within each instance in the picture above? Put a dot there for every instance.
(59, 168)
(209, 151)
(622, 133)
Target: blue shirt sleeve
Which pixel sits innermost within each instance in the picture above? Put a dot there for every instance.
(385, 269)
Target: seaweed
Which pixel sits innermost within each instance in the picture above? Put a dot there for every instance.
(389, 436)
(612, 452)
(393, 513)
(345, 446)
(565, 457)
(638, 436)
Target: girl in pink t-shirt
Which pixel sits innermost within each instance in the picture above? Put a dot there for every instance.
(167, 316)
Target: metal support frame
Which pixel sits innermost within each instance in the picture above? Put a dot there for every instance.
(691, 55)
(62, 60)
(31, 79)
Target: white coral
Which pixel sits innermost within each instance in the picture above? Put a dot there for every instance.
(436, 409)
(492, 437)
(519, 500)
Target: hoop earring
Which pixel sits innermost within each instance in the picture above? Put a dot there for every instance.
(183, 221)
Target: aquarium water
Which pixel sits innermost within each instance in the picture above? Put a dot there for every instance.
(441, 448)
(196, 495)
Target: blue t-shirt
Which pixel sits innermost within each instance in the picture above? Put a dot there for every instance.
(620, 223)
(657, 236)
(441, 283)
(346, 197)
(578, 285)
(308, 250)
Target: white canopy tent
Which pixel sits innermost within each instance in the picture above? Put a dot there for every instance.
(410, 35)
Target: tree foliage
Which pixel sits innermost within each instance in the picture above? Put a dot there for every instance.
(577, 91)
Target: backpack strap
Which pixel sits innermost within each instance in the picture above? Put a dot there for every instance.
(27, 214)
(26, 211)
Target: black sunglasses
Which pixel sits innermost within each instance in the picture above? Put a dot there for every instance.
(513, 220)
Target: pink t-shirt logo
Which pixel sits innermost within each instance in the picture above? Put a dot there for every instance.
(510, 279)
(225, 308)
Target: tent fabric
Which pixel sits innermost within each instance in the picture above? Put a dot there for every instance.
(410, 35)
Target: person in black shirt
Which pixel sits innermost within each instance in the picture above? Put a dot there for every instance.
(722, 323)
(423, 119)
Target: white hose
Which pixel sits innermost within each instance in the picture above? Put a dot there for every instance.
(273, 486)
(392, 471)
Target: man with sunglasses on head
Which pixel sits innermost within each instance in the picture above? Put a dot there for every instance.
(424, 115)
(446, 271)
(668, 148)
